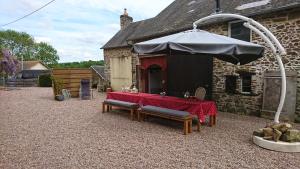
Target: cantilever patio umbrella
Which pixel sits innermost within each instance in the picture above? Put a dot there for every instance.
(202, 42)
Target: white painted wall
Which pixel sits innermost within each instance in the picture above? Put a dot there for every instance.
(38, 66)
(121, 72)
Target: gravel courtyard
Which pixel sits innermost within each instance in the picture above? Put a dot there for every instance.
(38, 132)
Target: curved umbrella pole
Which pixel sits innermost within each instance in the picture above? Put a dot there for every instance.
(269, 38)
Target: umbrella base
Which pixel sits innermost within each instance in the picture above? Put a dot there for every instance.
(277, 146)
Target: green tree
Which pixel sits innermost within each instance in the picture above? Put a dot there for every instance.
(19, 43)
(46, 53)
(22, 44)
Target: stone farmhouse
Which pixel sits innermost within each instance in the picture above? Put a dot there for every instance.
(251, 89)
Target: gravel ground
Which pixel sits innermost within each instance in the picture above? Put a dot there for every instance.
(38, 132)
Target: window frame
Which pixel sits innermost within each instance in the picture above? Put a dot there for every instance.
(241, 84)
(234, 91)
(237, 21)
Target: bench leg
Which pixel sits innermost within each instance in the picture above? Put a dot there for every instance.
(212, 120)
(103, 107)
(190, 126)
(185, 127)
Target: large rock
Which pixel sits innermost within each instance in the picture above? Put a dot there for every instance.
(259, 133)
(291, 135)
(282, 127)
(268, 132)
(276, 135)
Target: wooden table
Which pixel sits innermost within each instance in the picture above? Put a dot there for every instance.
(200, 108)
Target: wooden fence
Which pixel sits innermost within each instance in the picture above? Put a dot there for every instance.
(71, 78)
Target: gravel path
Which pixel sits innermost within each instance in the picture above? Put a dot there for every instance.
(38, 132)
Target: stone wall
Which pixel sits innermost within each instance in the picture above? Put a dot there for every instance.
(120, 53)
(125, 20)
(284, 25)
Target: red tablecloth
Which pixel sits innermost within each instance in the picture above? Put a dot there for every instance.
(128, 97)
(193, 106)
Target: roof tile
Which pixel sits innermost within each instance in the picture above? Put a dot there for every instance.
(180, 15)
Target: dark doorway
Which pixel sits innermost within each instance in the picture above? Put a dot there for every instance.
(155, 78)
(188, 72)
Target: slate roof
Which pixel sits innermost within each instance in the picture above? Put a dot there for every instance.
(180, 15)
(99, 70)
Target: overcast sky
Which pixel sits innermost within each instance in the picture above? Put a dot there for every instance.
(76, 28)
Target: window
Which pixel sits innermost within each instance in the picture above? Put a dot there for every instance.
(238, 31)
(246, 84)
(230, 84)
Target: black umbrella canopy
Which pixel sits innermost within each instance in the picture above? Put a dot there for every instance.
(202, 42)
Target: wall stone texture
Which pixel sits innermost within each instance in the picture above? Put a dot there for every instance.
(119, 53)
(284, 25)
(125, 20)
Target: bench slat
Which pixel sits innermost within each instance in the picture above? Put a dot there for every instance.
(121, 103)
(164, 111)
(182, 116)
(125, 105)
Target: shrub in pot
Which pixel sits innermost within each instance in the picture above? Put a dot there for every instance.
(57, 85)
(59, 97)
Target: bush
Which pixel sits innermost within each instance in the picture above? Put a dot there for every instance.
(58, 85)
(45, 81)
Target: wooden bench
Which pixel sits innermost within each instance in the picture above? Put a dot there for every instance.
(108, 103)
(171, 114)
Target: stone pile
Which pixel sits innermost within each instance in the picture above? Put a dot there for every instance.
(279, 131)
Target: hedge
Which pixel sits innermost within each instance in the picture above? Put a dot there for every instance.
(45, 81)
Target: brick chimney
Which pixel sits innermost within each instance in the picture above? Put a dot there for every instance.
(125, 20)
